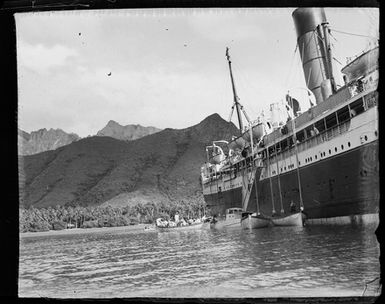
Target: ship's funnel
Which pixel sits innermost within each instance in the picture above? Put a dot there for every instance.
(314, 49)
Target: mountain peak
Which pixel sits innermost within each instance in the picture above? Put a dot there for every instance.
(43, 140)
(214, 127)
(214, 120)
(113, 123)
(129, 132)
(213, 117)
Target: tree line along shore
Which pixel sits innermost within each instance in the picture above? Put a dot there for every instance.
(34, 219)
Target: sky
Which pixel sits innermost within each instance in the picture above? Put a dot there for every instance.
(164, 67)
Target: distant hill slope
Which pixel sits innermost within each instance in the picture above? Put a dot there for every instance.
(43, 140)
(129, 132)
(91, 171)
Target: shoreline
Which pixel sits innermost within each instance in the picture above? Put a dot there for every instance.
(131, 228)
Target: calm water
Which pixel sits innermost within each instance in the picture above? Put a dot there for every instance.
(270, 262)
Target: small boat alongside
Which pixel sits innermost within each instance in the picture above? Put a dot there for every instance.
(254, 221)
(233, 219)
(165, 226)
(295, 219)
(195, 226)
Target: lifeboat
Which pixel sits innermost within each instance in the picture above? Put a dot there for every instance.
(217, 154)
(258, 131)
(237, 143)
(362, 65)
(218, 158)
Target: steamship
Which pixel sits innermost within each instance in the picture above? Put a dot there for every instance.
(324, 160)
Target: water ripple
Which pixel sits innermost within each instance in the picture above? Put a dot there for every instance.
(314, 261)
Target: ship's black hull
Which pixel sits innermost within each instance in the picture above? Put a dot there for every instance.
(342, 185)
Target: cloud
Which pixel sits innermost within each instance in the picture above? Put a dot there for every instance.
(41, 58)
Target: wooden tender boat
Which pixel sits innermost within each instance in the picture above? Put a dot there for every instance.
(253, 221)
(193, 226)
(233, 219)
(294, 219)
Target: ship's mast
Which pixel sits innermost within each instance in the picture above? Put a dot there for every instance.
(270, 181)
(297, 160)
(279, 179)
(236, 98)
(253, 164)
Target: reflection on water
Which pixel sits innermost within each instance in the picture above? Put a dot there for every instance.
(270, 262)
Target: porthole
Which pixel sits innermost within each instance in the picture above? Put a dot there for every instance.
(335, 149)
(285, 168)
(311, 158)
(330, 151)
(315, 156)
(342, 147)
(348, 143)
(375, 133)
(299, 163)
(366, 138)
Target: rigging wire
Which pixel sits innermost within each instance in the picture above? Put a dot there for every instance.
(244, 83)
(291, 65)
(299, 57)
(335, 49)
(353, 34)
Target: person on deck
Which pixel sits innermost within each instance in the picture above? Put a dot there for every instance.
(293, 207)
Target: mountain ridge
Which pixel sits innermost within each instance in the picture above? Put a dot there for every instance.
(43, 140)
(91, 171)
(128, 132)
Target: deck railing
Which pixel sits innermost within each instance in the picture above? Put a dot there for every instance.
(315, 140)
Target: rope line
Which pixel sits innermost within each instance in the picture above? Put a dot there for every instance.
(352, 34)
(291, 64)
